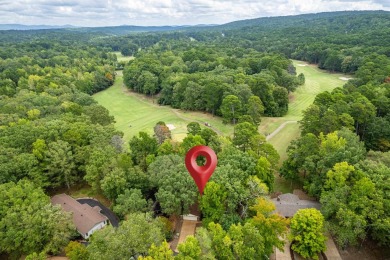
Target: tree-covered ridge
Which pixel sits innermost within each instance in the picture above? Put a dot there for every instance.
(199, 77)
(335, 41)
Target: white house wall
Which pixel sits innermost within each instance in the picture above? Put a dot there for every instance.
(96, 227)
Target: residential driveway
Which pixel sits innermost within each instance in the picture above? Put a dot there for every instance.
(105, 211)
(188, 228)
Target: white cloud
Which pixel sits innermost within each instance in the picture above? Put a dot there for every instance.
(166, 12)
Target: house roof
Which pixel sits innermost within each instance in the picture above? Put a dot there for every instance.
(288, 204)
(84, 216)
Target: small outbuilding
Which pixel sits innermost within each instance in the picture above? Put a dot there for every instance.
(288, 204)
(87, 219)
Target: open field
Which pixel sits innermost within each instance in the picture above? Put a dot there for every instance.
(121, 57)
(282, 139)
(316, 81)
(134, 113)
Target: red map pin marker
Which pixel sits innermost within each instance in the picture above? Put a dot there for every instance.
(201, 174)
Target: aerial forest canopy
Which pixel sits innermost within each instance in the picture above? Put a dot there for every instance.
(53, 134)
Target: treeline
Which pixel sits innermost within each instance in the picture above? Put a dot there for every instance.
(199, 77)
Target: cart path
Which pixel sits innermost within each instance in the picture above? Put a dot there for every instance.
(279, 129)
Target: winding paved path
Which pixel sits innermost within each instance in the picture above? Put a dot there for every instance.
(279, 129)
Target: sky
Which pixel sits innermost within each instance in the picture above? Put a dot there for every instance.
(93, 13)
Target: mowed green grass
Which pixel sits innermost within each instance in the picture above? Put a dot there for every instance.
(134, 113)
(283, 139)
(316, 81)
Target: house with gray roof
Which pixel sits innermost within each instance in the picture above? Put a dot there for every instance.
(87, 219)
(288, 204)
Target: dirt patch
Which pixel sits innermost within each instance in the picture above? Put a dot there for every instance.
(291, 97)
(302, 65)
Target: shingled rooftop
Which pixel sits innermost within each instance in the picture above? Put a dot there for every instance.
(87, 219)
(288, 204)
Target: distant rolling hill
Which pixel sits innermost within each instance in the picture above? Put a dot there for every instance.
(22, 27)
(110, 30)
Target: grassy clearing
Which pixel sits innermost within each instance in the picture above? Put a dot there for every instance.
(134, 113)
(121, 57)
(282, 140)
(317, 81)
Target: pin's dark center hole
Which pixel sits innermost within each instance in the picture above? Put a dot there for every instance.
(201, 160)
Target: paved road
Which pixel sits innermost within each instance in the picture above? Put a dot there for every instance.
(105, 211)
(279, 129)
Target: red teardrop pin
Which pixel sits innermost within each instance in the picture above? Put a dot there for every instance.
(201, 174)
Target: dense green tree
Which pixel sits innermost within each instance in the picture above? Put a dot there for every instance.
(141, 147)
(190, 141)
(60, 164)
(212, 202)
(247, 241)
(265, 172)
(40, 226)
(280, 96)
(310, 122)
(193, 128)
(271, 226)
(307, 233)
(231, 109)
(255, 108)
(131, 201)
(76, 251)
(97, 163)
(350, 202)
(36, 256)
(168, 147)
(243, 132)
(148, 82)
(176, 189)
(189, 249)
(114, 183)
(159, 252)
(132, 238)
